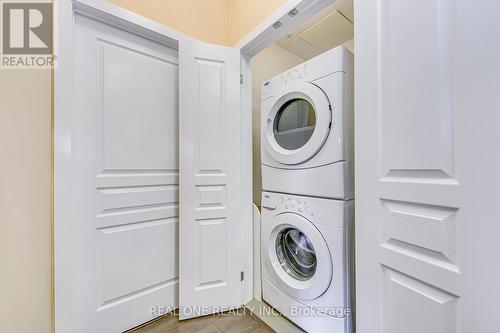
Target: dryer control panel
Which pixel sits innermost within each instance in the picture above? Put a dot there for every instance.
(294, 74)
(335, 60)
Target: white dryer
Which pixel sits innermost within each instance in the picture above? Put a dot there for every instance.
(306, 253)
(307, 128)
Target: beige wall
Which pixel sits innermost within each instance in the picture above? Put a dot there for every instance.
(268, 63)
(245, 15)
(203, 19)
(215, 21)
(25, 206)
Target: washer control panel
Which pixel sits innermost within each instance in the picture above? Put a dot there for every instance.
(334, 213)
(283, 202)
(297, 205)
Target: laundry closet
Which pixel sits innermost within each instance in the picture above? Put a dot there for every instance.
(303, 153)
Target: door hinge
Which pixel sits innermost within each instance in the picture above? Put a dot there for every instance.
(242, 276)
(241, 78)
(293, 12)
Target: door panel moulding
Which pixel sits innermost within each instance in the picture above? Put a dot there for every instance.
(64, 239)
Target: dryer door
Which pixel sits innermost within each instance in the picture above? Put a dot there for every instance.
(298, 123)
(298, 258)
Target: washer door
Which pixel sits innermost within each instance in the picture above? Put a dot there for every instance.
(298, 123)
(299, 258)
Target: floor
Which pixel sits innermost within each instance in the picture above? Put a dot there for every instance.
(241, 322)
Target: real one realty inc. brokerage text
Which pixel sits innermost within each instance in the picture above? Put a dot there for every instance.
(197, 311)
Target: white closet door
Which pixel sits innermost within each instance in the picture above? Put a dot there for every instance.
(427, 163)
(210, 194)
(126, 162)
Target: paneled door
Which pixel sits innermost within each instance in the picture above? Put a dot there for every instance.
(126, 162)
(427, 163)
(210, 194)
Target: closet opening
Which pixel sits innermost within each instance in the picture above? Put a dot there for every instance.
(291, 124)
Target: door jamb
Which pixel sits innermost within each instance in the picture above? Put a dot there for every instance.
(64, 238)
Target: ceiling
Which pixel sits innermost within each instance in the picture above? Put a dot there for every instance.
(331, 27)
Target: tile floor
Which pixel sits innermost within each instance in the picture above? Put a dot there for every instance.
(222, 323)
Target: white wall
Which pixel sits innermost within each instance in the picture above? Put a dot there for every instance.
(268, 63)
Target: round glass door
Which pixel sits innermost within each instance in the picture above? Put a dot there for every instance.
(294, 124)
(296, 254)
(296, 258)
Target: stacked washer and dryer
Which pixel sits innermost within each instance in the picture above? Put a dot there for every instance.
(308, 191)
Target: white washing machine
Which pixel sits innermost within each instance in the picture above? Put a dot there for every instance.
(307, 137)
(307, 260)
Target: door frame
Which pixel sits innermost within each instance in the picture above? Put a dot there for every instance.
(64, 239)
(290, 15)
